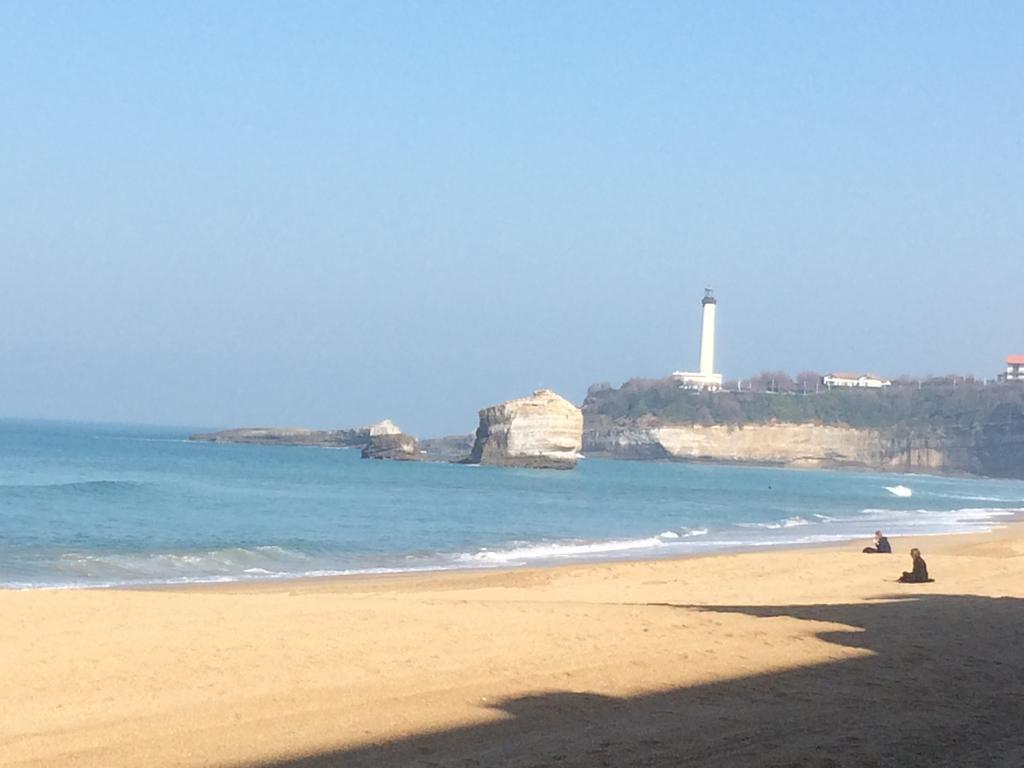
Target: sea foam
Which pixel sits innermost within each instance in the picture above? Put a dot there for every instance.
(559, 550)
(789, 522)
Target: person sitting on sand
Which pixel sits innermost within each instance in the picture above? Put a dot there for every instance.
(920, 573)
(881, 546)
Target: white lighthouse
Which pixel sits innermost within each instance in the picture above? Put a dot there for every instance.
(706, 365)
(705, 377)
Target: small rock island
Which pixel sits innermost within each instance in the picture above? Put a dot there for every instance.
(543, 431)
(331, 438)
(392, 447)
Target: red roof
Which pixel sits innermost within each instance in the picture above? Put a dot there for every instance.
(1015, 359)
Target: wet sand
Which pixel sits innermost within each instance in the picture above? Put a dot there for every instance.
(782, 657)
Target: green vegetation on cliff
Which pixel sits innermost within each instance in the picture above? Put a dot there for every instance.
(944, 407)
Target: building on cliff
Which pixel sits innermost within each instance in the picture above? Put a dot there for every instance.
(862, 380)
(1014, 368)
(705, 378)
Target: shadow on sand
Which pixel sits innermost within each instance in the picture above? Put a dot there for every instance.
(948, 692)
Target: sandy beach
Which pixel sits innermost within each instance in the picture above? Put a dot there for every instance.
(795, 657)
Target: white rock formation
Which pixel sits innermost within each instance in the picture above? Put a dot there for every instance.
(543, 430)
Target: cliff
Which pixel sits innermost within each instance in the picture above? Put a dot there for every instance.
(334, 438)
(543, 430)
(972, 429)
(798, 445)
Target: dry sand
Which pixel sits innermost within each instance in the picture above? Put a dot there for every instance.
(798, 657)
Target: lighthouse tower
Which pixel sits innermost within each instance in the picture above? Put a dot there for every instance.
(706, 365)
(705, 377)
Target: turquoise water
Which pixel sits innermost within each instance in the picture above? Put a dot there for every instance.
(84, 505)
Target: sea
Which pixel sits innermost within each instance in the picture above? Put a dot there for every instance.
(85, 505)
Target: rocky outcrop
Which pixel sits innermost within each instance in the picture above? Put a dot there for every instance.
(393, 447)
(631, 442)
(543, 430)
(333, 438)
(449, 448)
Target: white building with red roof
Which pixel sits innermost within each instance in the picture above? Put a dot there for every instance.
(1014, 368)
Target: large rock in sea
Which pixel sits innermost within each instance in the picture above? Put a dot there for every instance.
(543, 431)
(392, 446)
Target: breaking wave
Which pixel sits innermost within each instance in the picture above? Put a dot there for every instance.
(231, 562)
(559, 550)
(789, 522)
(994, 499)
(900, 490)
(945, 521)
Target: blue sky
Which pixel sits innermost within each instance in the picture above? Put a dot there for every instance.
(330, 213)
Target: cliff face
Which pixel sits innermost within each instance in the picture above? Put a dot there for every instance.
(968, 427)
(997, 449)
(804, 445)
(543, 430)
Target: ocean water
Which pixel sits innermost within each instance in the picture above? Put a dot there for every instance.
(87, 505)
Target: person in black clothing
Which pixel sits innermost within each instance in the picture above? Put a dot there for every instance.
(881, 546)
(920, 573)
